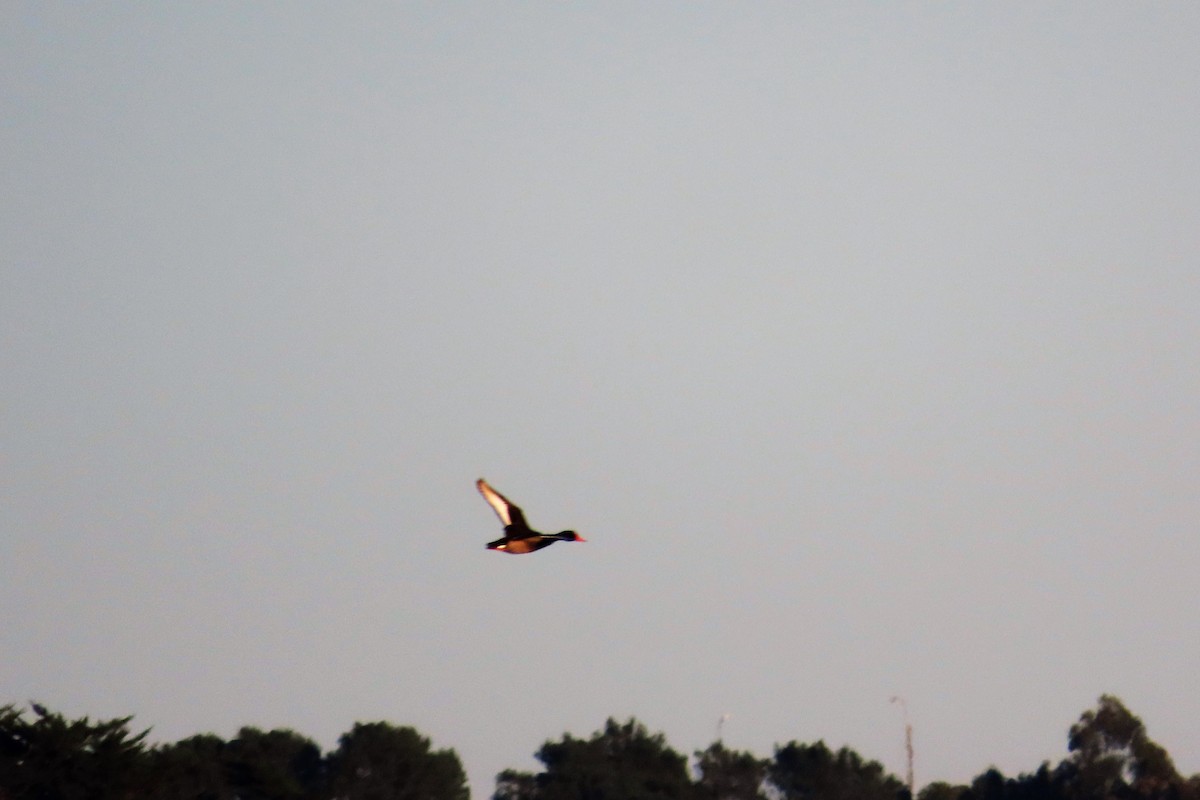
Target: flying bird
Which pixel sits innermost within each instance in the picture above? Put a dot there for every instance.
(518, 536)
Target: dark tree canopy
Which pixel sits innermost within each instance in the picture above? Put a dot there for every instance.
(723, 774)
(380, 761)
(814, 772)
(46, 756)
(53, 758)
(1112, 756)
(192, 769)
(621, 762)
(1045, 784)
(273, 765)
(254, 765)
(940, 790)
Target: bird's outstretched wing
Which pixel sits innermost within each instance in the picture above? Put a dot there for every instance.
(508, 513)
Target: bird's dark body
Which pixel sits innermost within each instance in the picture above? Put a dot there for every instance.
(519, 545)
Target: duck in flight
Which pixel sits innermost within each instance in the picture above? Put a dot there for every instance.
(518, 536)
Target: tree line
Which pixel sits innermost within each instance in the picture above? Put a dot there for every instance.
(46, 756)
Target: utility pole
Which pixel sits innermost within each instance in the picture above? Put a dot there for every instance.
(908, 746)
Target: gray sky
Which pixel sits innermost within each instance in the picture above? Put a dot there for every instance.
(861, 340)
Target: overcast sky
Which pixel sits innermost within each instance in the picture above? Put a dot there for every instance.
(862, 342)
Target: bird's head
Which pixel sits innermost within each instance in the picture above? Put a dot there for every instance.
(570, 536)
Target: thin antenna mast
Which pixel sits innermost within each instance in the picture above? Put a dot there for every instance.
(721, 723)
(908, 745)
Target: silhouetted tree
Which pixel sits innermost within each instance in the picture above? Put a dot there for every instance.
(274, 765)
(1044, 784)
(940, 790)
(48, 757)
(814, 772)
(1113, 756)
(379, 761)
(512, 784)
(622, 762)
(724, 774)
(988, 786)
(194, 768)
(53, 758)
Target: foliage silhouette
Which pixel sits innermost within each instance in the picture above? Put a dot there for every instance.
(1113, 757)
(53, 758)
(621, 762)
(380, 761)
(192, 769)
(273, 765)
(814, 772)
(724, 774)
(45, 756)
